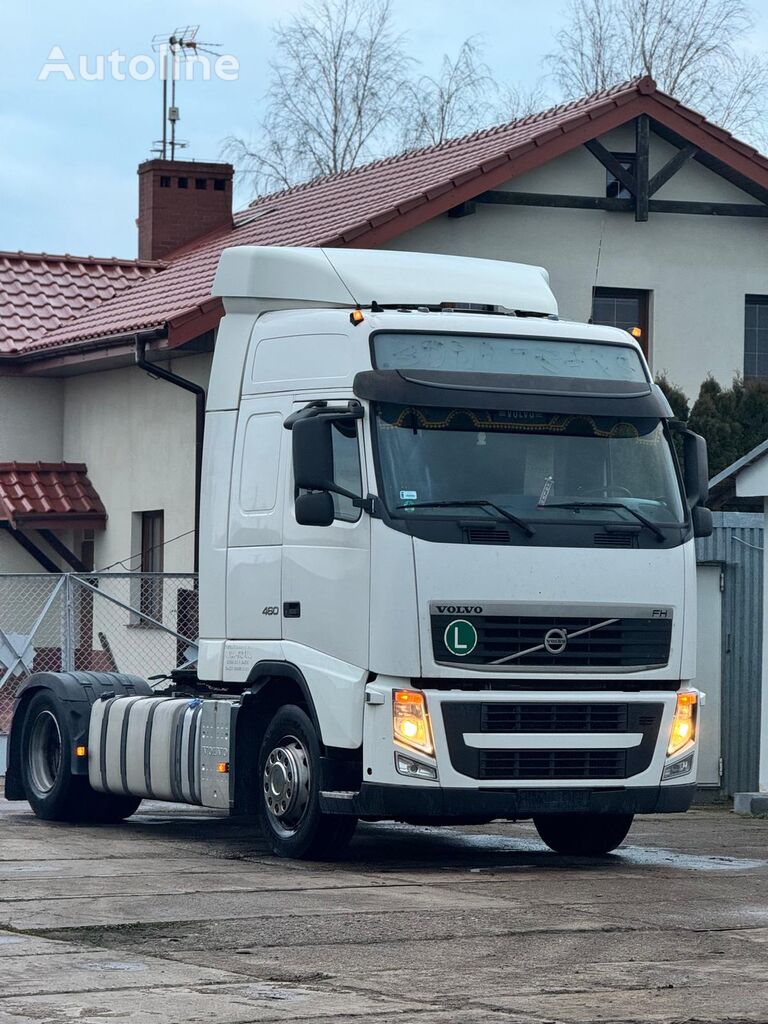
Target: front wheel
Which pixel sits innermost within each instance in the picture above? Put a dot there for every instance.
(289, 798)
(583, 835)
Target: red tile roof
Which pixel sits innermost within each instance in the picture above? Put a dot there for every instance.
(375, 203)
(49, 495)
(39, 293)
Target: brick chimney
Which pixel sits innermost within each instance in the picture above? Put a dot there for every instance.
(179, 201)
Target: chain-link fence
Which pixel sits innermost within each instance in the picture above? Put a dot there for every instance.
(143, 623)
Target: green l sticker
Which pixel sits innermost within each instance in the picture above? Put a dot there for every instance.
(460, 637)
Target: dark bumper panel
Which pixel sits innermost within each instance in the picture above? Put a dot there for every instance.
(405, 802)
(550, 719)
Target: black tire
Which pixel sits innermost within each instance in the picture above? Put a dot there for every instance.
(54, 793)
(288, 777)
(583, 835)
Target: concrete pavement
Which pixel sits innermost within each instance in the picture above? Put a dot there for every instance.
(179, 916)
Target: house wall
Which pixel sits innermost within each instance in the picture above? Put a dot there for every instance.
(137, 436)
(31, 418)
(697, 268)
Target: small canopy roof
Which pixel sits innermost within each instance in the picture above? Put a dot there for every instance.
(49, 495)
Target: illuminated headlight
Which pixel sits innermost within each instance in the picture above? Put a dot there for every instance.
(415, 769)
(410, 721)
(684, 723)
(678, 768)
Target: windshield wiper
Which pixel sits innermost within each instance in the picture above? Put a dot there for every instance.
(610, 504)
(480, 503)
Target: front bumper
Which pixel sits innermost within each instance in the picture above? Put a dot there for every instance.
(517, 753)
(402, 803)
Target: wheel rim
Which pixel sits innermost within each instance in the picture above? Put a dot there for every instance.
(287, 781)
(45, 752)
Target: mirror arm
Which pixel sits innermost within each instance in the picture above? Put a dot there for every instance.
(319, 407)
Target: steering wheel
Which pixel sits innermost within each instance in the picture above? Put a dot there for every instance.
(614, 491)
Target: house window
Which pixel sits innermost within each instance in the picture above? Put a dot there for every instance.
(626, 308)
(201, 184)
(151, 587)
(756, 336)
(613, 187)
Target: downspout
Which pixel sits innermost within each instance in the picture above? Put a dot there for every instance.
(199, 393)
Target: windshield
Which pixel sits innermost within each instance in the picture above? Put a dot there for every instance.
(603, 468)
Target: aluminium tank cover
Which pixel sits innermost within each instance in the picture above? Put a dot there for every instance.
(350, 277)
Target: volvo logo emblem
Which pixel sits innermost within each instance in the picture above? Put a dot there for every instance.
(555, 641)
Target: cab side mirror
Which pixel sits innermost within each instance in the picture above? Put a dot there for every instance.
(313, 454)
(696, 469)
(314, 509)
(702, 521)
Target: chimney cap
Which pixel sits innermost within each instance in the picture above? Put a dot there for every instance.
(191, 166)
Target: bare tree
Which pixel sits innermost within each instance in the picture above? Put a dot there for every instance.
(692, 48)
(452, 103)
(339, 80)
(462, 98)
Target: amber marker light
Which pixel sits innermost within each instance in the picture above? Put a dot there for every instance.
(81, 751)
(356, 317)
(683, 723)
(636, 332)
(223, 767)
(410, 721)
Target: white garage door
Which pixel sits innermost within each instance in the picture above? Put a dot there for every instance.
(709, 668)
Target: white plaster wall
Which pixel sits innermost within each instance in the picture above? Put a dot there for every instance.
(31, 424)
(31, 414)
(137, 436)
(698, 268)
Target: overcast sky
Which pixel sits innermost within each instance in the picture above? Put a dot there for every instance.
(69, 149)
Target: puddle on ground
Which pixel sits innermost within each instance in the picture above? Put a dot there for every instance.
(641, 856)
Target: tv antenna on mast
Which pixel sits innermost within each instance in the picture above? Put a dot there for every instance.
(178, 48)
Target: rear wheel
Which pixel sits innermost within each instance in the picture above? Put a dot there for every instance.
(289, 798)
(583, 834)
(54, 793)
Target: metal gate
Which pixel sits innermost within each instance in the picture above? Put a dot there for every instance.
(142, 623)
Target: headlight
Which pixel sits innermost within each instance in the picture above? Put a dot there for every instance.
(410, 721)
(684, 722)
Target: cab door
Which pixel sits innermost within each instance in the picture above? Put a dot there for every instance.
(326, 569)
(254, 556)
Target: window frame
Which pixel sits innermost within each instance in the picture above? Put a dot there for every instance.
(622, 191)
(151, 563)
(754, 300)
(644, 297)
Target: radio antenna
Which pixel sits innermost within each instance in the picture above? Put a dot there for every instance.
(179, 47)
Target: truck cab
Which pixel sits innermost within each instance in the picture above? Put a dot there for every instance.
(461, 524)
(447, 570)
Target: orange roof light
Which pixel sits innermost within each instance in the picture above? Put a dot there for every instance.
(636, 332)
(356, 317)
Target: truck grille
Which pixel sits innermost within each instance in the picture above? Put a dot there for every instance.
(554, 718)
(519, 640)
(552, 764)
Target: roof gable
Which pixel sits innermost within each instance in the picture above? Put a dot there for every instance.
(373, 204)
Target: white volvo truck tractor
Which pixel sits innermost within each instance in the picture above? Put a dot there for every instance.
(447, 572)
